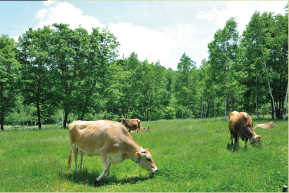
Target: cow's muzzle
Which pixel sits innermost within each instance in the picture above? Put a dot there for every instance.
(155, 170)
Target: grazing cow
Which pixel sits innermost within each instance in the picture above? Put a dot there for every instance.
(107, 139)
(144, 128)
(241, 125)
(131, 124)
(266, 125)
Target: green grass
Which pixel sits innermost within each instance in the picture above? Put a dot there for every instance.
(193, 156)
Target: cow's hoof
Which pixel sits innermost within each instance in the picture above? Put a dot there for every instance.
(95, 182)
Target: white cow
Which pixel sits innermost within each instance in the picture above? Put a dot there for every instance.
(110, 140)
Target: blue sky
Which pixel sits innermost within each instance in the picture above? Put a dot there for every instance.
(154, 30)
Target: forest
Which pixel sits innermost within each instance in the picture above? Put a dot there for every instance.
(55, 74)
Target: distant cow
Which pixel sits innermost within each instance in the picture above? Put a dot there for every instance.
(131, 124)
(144, 128)
(266, 125)
(241, 125)
(107, 139)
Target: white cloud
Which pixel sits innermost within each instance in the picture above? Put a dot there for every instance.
(242, 10)
(68, 14)
(15, 38)
(146, 43)
(41, 13)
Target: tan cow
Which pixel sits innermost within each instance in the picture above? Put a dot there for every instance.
(241, 125)
(107, 139)
(131, 124)
(266, 125)
(144, 128)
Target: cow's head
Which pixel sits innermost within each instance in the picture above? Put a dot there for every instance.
(255, 139)
(122, 120)
(144, 160)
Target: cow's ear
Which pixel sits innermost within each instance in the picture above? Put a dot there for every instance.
(147, 149)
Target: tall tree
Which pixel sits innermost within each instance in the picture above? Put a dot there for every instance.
(222, 51)
(185, 86)
(97, 53)
(79, 61)
(10, 76)
(38, 82)
(265, 47)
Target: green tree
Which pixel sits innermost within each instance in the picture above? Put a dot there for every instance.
(79, 62)
(10, 76)
(222, 52)
(185, 85)
(38, 81)
(265, 52)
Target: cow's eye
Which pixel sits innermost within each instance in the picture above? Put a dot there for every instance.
(149, 159)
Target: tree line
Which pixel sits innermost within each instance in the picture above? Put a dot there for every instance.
(56, 73)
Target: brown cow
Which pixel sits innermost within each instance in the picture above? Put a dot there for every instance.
(144, 128)
(131, 124)
(241, 125)
(266, 125)
(107, 139)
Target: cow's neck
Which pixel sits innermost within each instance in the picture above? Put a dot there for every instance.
(131, 150)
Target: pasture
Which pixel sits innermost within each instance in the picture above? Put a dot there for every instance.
(192, 156)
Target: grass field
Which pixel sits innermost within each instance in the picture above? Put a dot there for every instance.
(192, 156)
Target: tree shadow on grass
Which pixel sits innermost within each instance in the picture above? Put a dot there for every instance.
(87, 178)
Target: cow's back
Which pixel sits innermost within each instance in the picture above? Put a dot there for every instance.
(91, 136)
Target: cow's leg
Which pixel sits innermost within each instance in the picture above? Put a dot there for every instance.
(75, 152)
(81, 158)
(236, 139)
(106, 164)
(107, 173)
(246, 139)
(232, 139)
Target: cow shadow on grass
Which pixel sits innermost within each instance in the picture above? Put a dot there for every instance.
(87, 178)
(238, 147)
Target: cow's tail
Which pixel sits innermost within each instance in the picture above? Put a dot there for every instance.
(70, 158)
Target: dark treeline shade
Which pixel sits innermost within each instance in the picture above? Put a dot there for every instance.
(57, 75)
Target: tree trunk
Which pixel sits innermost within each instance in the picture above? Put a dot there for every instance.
(149, 103)
(65, 118)
(190, 112)
(225, 95)
(2, 114)
(146, 117)
(285, 108)
(106, 111)
(129, 98)
(83, 109)
(202, 109)
(38, 115)
(62, 119)
(207, 111)
(273, 103)
(215, 105)
(272, 110)
(112, 111)
(263, 110)
(2, 121)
